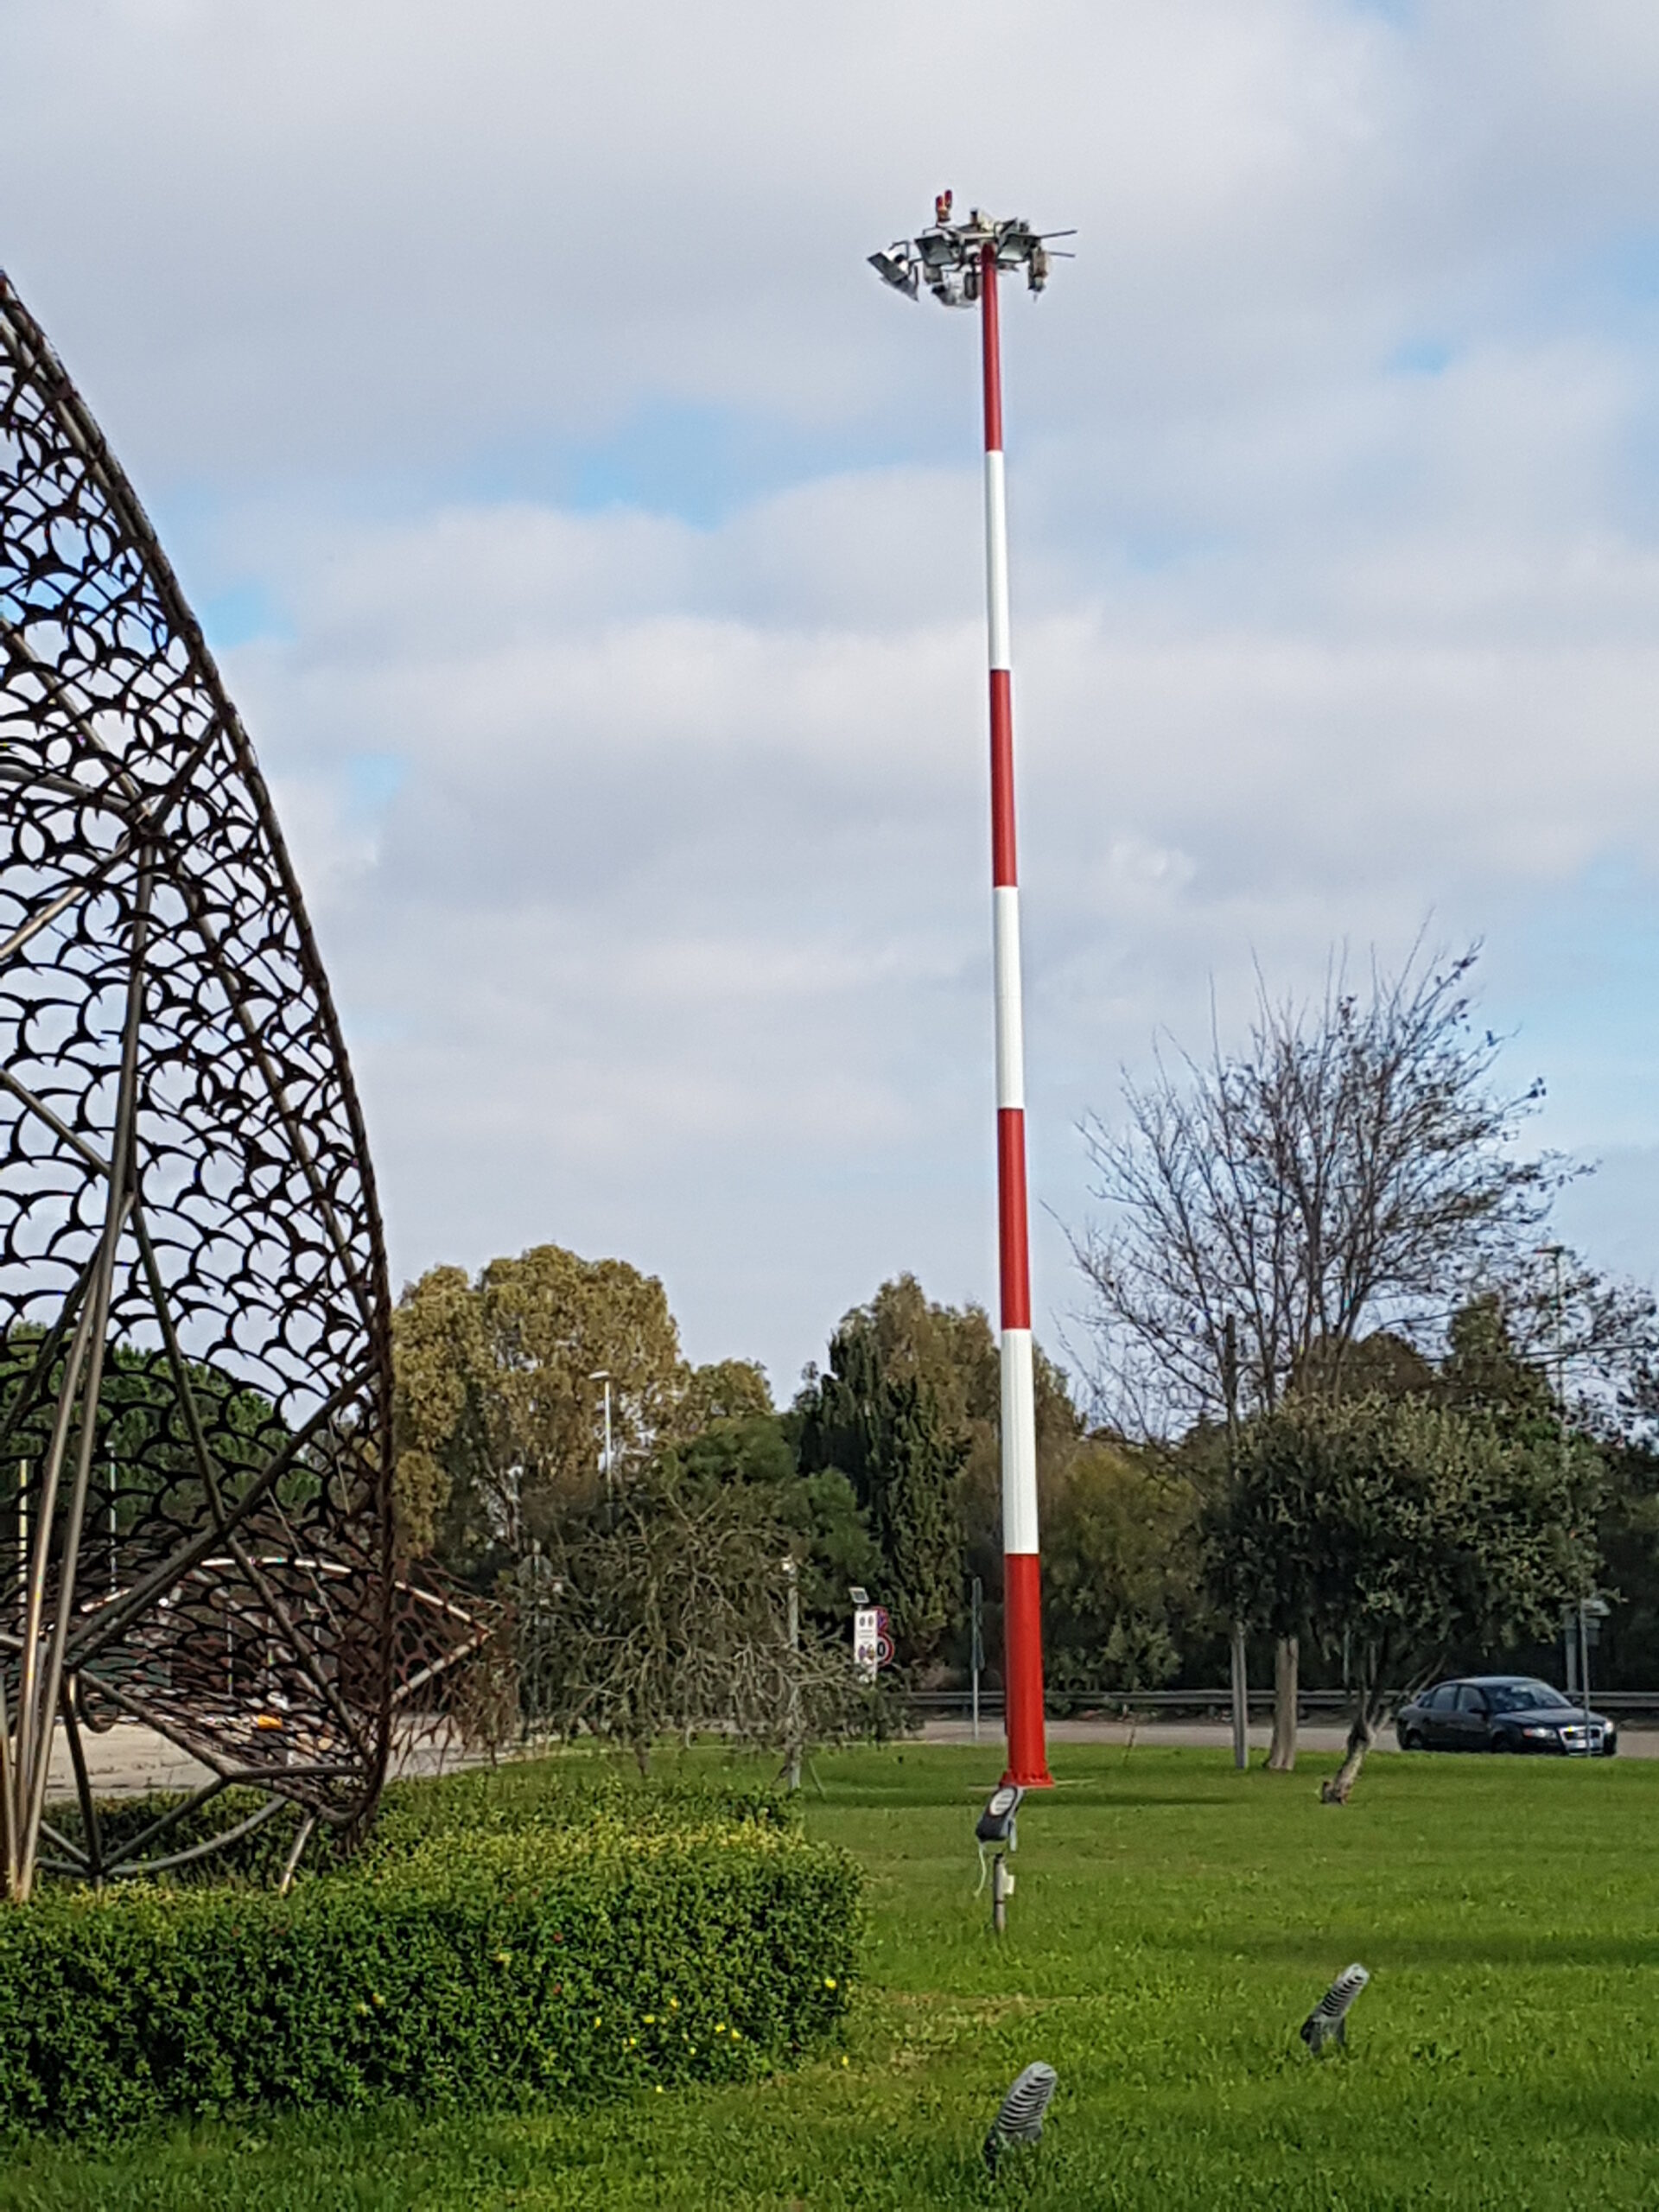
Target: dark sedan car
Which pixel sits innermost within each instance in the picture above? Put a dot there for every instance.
(1502, 1712)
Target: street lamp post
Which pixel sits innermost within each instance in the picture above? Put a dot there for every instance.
(603, 1374)
(960, 263)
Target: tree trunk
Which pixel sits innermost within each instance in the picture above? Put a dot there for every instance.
(1361, 1735)
(1286, 1656)
(1240, 1701)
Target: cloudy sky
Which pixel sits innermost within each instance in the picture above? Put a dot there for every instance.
(591, 542)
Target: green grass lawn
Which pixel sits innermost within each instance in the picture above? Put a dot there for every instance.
(1173, 1923)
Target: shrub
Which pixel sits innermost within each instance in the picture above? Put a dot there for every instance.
(493, 1947)
(545, 1793)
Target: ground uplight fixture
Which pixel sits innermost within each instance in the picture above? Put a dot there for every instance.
(1328, 2021)
(1020, 2118)
(960, 263)
(999, 1826)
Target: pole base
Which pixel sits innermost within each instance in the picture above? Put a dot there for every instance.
(1023, 1699)
(1042, 1779)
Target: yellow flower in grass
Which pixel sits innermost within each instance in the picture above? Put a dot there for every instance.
(829, 1981)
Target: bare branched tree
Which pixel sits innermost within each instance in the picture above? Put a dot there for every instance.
(1355, 1168)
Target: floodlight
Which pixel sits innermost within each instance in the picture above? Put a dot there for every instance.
(896, 268)
(1328, 2021)
(1020, 2120)
(996, 1822)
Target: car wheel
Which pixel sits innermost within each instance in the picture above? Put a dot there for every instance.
(1412, 1741)
(1506, 1741)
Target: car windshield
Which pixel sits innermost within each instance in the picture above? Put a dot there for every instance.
(1524, 1697)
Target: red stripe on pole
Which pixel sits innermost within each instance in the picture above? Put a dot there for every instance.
(1012, 1234)
(1004, 868)
(989, 333)
(1022, 1651)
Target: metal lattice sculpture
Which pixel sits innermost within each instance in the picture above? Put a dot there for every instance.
(194, 1352)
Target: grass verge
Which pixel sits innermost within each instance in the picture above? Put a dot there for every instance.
(1173, 1924)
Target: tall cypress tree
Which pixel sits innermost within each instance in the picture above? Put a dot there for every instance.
(885, 1433)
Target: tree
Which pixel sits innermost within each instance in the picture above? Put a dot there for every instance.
(882, 1429)
(1392, 1530)
(729, 1390)
(668, 1615)
(829, 1534)
(1121, 1569)
(846, 1421)
(498, 1419)
(1352, 1170)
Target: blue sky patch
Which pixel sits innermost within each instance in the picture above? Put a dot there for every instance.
(1421, 357)
(237, 617)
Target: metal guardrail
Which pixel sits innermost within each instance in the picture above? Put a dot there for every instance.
(1080, 1704)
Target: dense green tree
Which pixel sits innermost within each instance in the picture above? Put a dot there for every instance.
(1123, 1596)
(849, 1418)
(144, 1459)
(1394, 1530)
(500, 1417)
(878, 1423)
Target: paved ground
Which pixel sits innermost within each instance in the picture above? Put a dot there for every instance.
(1638, 1741)
(128, 1761)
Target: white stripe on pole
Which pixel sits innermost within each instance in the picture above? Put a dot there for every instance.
(1018, 1444)
(996, 559)
(1010, 1028)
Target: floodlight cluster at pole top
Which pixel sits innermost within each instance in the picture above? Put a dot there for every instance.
(949, 259)
(959, 264)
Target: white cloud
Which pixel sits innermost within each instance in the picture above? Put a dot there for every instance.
(644, 825)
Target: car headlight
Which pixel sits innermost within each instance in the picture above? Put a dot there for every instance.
(1538, 1732)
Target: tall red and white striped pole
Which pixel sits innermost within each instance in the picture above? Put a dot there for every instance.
(959, 263)
(1022, 1613)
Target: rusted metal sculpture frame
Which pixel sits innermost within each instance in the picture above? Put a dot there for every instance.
(195, 1522)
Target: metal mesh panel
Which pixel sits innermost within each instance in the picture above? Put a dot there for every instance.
(195, 1349)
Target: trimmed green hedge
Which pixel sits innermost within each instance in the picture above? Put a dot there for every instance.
(551, 1792)
(493, 1947)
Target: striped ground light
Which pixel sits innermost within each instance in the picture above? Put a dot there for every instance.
(1020, 2118)
(1328, 2021)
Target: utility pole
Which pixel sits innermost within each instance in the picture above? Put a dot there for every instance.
(792, 1631)
(1578, 1630)
(960, 263)
(977, 1648)
(1240, 1686)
